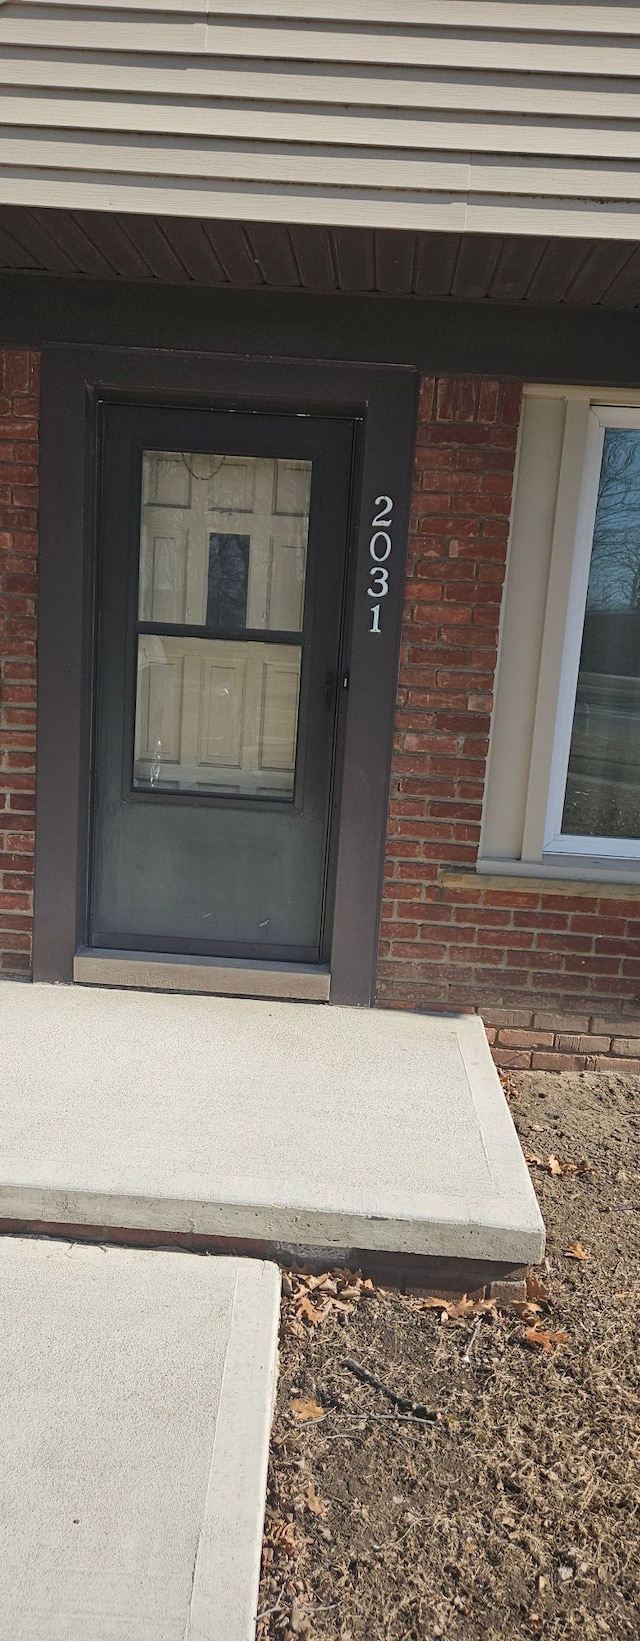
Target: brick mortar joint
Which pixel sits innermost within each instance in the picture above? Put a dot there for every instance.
(556, 1038)
(19, 434)
(547, 1059)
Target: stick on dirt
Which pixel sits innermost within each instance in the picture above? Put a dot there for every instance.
(406, 1406)
(467, 1355)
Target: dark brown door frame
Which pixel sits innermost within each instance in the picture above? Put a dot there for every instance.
(75, 383)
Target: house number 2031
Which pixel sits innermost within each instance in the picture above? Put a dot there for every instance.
(379, 551)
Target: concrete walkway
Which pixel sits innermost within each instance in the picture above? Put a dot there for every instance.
(137, 1393)
(289, 1122)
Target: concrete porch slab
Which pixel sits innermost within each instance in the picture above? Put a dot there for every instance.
(288, 1122)
(134, 1425)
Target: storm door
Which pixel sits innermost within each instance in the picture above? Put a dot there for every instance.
(221, 583)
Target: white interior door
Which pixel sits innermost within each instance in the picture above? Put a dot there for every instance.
(223, 547)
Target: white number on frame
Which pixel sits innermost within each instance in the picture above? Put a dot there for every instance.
(384, 517)
(380, 546)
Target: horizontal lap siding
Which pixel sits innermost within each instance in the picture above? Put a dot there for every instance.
(501, 118)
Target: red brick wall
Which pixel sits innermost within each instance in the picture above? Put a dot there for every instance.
(18, 587)
(555, 974)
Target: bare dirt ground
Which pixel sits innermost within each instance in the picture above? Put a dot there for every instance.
(516, 1511)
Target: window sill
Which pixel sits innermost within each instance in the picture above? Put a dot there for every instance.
(556, 880)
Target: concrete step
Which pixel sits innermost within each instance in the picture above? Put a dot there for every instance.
(137, 1395)
(281, 1123)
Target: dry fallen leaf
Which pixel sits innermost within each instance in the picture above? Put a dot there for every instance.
(455, 1310)
(284, 1533)
(316, 1298)
(303, 1410)
(295, 1327)
(431, 1304)
(542, 1339)
(325, 1284)
(461, 1307)
(575, 1250)
(526, 1310)
(536, 1291)
(299, 1624)
(313, 1313)
(556, 1166)
(313, 1501)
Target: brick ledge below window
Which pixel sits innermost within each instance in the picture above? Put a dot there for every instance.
(525, 882)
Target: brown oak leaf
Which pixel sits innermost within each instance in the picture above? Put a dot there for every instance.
(463, 1307)
(322, 1284)
(542, 1339)
(558, 1167)
(526, 1310)
(536, 1291)
(313, 1313)
(302, 1409)
(575, 1250)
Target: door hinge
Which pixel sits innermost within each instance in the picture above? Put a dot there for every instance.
(345, 681)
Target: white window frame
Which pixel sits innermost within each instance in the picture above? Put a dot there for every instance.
(553, 840)
(545, 849)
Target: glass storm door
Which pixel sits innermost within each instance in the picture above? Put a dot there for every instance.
(223, 547)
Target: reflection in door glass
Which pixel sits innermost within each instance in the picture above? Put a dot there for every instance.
(223, 547)
(602, 798)
(228, 580)
(223, 541)
(214, 715)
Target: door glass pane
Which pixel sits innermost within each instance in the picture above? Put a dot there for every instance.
(603, 784)
(223, 541)
(216, 715)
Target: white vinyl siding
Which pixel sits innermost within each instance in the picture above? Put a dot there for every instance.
(500, 118)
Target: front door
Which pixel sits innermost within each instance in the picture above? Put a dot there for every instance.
(221, 589)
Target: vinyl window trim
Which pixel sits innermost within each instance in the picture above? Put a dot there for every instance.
(524, 798)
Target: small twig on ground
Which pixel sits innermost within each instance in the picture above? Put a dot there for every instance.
(384, 1418)
(267, 1611)
(467, 1355)
(416, 1409)
(343, 1436)
(391, 1428)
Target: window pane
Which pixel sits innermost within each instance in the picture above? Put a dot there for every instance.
(216, 715)
(223, 541)
(603, 784)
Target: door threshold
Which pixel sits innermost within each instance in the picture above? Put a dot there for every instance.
(215, 976)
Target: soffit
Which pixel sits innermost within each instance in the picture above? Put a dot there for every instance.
(275, 256)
